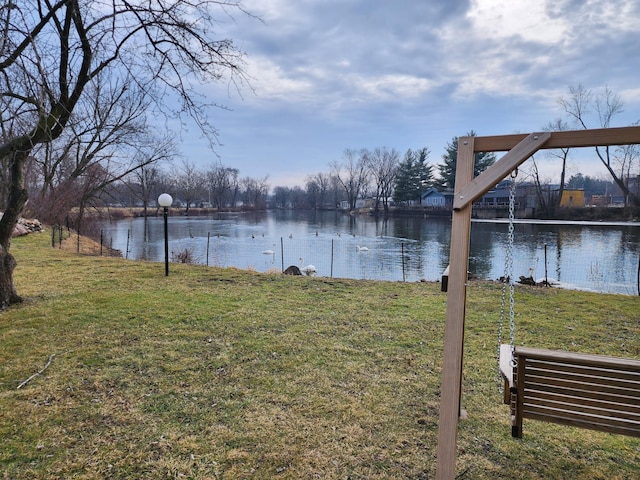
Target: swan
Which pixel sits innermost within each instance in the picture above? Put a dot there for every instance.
(362, 249)
(309, 269)
(268, 252)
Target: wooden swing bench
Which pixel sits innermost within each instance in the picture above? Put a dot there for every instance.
(588, 391)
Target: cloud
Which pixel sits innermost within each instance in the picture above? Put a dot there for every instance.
(335, 74)
(394, 87)
(502, 20)
(272, 82)
(361, 51)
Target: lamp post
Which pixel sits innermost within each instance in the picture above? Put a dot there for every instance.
(165, 202)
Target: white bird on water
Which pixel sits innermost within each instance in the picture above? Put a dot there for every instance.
(362, 249)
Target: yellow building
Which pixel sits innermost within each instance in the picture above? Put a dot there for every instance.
(572, 198)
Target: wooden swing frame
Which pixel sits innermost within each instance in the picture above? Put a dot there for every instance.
(468, 189)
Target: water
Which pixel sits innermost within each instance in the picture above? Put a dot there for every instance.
(601, 257)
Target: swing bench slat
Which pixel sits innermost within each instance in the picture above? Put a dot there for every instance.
(587, 391)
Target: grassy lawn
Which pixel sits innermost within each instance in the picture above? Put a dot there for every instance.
(226, 374)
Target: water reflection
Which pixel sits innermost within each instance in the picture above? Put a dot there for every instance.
(600, 257)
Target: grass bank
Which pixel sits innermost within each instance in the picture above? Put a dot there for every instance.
(227, 374)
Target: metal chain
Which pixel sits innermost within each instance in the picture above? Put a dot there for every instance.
(502, 314)
(512, 323)
(508, 278)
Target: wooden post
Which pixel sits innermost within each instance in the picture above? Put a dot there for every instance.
(467, 190)
(454, 329)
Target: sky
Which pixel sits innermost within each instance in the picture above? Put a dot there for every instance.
(330, 75)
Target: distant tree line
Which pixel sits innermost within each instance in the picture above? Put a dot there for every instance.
(217, 187)
(110, 156)
(381, 174)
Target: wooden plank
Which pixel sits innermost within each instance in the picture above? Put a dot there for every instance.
(568, 139)
(578, 358)
(632, 399)
(516, 427)
(506, 371)
(454, 328)
(540, 412)
(584, 370)
(629, 431)
(568, 411)
(573, 379)
(499, 170)
(581, 404)
(563, 383)
(586, 416)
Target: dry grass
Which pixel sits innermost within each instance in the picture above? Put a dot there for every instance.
(212, 373)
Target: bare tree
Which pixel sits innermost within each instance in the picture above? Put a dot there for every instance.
(317, 189)
(255, 191)
(51, 51)
(108, 130)
(146, 179)
(352, 174)
(222, 183)
(546, 201)
(383, 167)
(580, 104)
(282, 197)
(189, 183)
(626, 159)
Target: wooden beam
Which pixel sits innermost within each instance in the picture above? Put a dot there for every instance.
(450, 391)
(500, 169)
(601, 137)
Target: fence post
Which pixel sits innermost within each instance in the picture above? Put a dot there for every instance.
(404, 279)
(546, 278)
(282, 254)
(126, 253)
(208, 240)
(331, 275)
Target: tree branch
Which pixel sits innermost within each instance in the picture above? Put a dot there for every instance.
(22, 384)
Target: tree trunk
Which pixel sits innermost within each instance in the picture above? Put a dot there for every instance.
(8, 294)
(17, 200)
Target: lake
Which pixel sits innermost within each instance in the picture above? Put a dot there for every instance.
(602, 257)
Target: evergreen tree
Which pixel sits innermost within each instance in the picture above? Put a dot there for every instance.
(415, 176)
(447, 170)
(590, 185)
